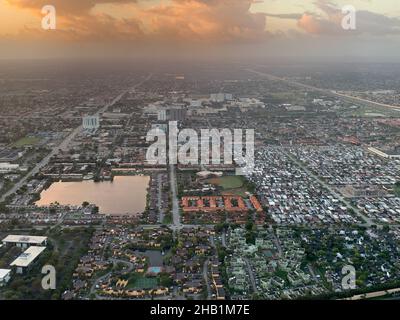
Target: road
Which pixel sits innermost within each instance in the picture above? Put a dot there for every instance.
(374, 295)
(127, 263)
(326, 91)
(159, 199)
(100, 279)
(251, 275)
(276, 241)
(205, 276)
(175, 202)
(310, 267)
(223, 238)
(64, 144)
(97, 282)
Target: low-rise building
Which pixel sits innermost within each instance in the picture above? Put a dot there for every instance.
(5, 276)
(25, 241)
(25, 260)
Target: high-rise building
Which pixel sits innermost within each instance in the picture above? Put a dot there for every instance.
(91, 122)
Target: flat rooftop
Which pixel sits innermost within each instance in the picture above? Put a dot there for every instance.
(24, 239)
(27, 257)
(4, 273)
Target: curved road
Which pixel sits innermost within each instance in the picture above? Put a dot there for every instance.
(114, 261)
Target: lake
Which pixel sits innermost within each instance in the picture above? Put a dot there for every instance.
(126, 194)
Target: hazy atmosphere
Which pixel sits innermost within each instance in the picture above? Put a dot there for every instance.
(204, 28)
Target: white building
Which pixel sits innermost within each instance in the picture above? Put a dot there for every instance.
(162, 115)
(228, 96)
(91, 122)
(389, 155)
(217, 97)
(26, 258)
(24, 241)
(220, 97)
(8, 167)
(196, 103)
(5, 276)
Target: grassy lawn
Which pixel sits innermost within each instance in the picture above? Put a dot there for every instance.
(231, 185)
(228, 182)
(27, 141)
(139, 281)
(397, 191)
(167, 219)
(146, 283)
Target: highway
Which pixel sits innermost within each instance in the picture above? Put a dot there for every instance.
(325, 91)
(64, 144)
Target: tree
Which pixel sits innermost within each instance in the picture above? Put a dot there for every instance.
(166, 280)
(3, 208)
(249, 225)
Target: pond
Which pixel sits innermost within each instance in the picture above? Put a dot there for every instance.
(123, 195)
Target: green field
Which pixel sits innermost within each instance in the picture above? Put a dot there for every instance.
(27, 141)
(366, 111)
(230, 184)
(167, 219)
(139, 281)
(146, 283)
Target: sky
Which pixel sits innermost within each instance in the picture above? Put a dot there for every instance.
(200, 28)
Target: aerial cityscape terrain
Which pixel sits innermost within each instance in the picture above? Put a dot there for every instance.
(200, 179)
(324, 191)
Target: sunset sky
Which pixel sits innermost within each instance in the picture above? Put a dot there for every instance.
(270, 27)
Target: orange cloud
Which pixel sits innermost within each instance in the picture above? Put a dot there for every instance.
(330, 22)
(64, 7)
(179, 20)
(315, 25)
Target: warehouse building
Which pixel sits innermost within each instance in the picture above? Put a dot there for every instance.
(25, 260)
(24, 241)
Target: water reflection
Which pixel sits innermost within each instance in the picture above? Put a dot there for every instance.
(126, 194)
